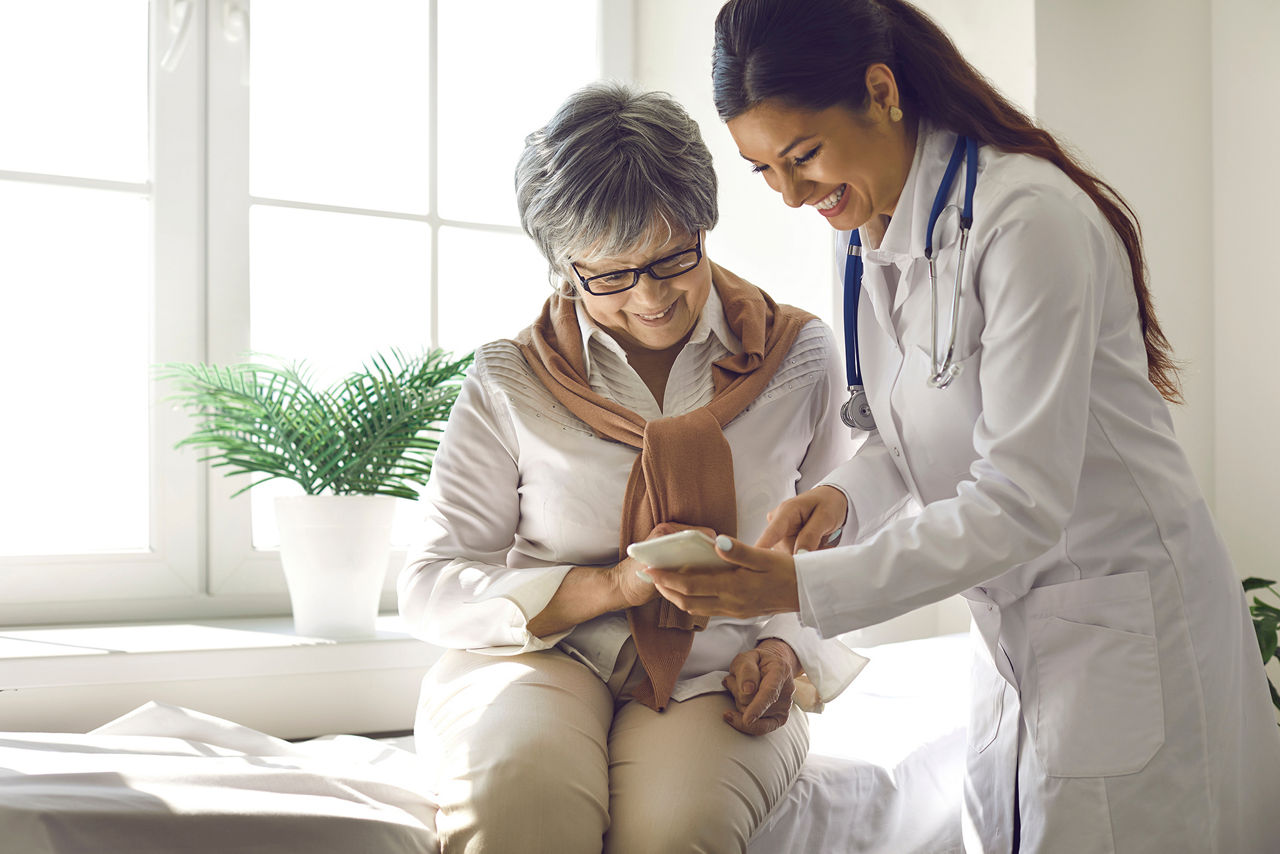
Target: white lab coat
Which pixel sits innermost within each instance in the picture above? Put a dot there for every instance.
(1119, 703)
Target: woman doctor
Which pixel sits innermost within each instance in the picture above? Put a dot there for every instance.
(1118, 700)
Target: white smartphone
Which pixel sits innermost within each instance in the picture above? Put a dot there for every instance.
(692, 549)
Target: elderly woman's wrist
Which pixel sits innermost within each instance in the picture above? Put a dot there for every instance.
(625, 586)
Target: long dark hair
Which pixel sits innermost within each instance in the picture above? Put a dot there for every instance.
(814, 54)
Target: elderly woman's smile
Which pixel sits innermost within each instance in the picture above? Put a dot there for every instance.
(654, 314)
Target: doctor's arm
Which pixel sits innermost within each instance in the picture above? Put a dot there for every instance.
(1041, 285)
(852, 499)
(1042, 270)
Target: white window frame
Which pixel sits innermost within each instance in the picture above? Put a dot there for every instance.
(106, 586)
(202, 562)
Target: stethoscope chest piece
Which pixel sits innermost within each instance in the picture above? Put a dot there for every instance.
(856, 411)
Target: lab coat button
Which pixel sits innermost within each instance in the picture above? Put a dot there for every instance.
(896, 451)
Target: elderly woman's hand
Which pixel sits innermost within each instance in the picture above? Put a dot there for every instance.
(636, 589)
(762, 682)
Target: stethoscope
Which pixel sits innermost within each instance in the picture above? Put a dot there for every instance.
(856, 411)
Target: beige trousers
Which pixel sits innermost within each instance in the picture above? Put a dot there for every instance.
(533, 753)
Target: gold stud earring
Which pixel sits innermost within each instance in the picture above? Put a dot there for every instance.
(895, 113)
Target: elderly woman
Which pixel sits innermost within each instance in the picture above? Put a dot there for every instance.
(657, 391)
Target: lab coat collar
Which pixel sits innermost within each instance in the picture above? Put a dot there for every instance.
(710, 322)
(904, 239)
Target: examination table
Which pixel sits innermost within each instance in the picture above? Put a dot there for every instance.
(884, 775)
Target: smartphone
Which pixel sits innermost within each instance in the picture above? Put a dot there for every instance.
(692, 549)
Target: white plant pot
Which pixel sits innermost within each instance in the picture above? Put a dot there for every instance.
(335, 550)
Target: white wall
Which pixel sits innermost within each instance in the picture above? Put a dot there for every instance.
(1128, 84)
(1245, 121)
(1246, 286)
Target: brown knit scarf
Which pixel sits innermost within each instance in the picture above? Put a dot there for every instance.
(684, 471)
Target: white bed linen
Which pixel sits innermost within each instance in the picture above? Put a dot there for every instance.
(163, 779)
(885, 771)
(883, 775)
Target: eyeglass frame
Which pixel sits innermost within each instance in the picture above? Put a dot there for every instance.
(636, 271)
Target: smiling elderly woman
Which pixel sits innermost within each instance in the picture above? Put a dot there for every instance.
(575, 710)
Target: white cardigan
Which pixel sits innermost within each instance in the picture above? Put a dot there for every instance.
(521, 491)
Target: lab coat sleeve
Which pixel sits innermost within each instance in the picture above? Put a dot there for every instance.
(456, 590)
(1040, 271)
(872, 486)
(829, 664)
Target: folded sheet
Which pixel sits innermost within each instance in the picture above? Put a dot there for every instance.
(166, 779)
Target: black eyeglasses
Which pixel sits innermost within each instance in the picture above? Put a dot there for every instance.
(607, 284)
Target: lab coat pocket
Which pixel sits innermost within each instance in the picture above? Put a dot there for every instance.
(1099, 709)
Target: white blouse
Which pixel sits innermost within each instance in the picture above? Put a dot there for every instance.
(521, 491)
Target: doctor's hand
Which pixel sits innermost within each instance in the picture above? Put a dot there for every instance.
(763, 582)
(805, 522)
(762, 682)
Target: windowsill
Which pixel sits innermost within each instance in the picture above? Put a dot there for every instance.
(255, 671)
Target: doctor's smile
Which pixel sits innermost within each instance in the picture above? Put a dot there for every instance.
(848, 166)
(833, 204)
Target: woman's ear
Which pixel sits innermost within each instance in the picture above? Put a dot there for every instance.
(882, 92)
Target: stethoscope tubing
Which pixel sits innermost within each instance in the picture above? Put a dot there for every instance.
(857, 412)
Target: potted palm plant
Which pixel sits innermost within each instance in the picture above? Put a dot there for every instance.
(354, 447)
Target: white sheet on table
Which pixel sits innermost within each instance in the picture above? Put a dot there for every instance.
(883, 777)
(166, 779)
(886, 759)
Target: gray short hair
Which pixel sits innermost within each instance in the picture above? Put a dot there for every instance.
(610, 164)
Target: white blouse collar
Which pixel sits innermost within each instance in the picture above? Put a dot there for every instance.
(905, 237)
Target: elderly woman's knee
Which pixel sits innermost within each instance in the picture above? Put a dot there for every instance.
(708, 820)
(532, 804)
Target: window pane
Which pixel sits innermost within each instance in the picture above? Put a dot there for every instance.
(505, 66)
(74, 97)
(495, 301)
(339, 103)
(333, 289)
(75, 356)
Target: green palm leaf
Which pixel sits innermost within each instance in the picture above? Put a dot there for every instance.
(374, 432)
(1266, 625)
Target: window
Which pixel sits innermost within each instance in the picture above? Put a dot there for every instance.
(308, 178)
